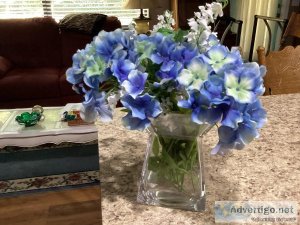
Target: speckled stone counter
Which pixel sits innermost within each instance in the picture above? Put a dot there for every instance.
(267, 169)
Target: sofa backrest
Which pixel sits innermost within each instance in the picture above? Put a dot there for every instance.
(33, 42)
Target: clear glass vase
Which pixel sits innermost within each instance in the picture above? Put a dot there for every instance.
(173, 172)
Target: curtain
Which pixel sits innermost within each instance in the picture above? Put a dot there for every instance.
(245, 11)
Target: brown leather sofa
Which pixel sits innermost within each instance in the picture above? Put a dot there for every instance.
(34, 55)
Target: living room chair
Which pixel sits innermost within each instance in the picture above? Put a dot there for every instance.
(282, 23)
(283, 70)
(223, 28)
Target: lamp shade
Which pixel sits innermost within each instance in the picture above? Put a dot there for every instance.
(139, 4)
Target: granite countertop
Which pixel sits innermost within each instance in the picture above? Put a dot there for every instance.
(267, 169)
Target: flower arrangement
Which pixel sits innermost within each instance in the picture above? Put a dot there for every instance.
(186, 72)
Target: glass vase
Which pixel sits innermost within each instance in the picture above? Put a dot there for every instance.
(173, 172)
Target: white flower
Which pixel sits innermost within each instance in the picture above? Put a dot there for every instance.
(165, 21)
(217, 9)
(160, 17)
(203, 24)
(113, 100)
(131, 27)
(207, 14)
(202, 39)
(193, 24)
(168, 14)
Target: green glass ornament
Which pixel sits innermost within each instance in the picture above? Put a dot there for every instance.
(29, 119)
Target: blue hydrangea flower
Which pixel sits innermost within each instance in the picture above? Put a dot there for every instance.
(136, 83)
(75, 73)
(203, 111)
(114, 45)
(142, 107)
(121, 68)
(95, 72)
(220, 58)
(162, 55)
(213, 40)
(144, 47)
(232, 118)
(95, 105)
(184, 53)
(134, 123)
(255, 112)
(214, 88)
(194, 75)
(253, 117)
(245, 83)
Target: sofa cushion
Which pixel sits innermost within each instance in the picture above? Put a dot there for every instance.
(30, 83)
(32, 42)
(5, 65)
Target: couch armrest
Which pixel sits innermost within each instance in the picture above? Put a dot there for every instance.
(5, 65)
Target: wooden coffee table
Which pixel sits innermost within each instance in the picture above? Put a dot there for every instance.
(49, 154)
(51, 130)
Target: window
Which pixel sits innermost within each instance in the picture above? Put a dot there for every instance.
(20, 8)
(59, 8)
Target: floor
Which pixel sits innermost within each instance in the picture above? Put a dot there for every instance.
(80, 206)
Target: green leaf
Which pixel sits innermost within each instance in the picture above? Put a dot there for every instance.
(179, 35)
(151, 68)
(124, 110)
(165, 31)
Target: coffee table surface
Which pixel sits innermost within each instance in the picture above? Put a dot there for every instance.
(50, 130)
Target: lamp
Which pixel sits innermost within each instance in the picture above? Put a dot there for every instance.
(142, 22)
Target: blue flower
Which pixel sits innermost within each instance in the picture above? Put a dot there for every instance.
(213, 40)
(75, 73)
(162, 55)
(232, 118)
(194, 76)
(220, 58)
(236, 137)
(255, 112)
(95, 72)
(114, 45)
(245, 83)
(203, 111)
(142, 107)
(136, 83)
(134, 123)
(144, 47)
(214, 89)
(184, 53)
(121, 68)
(96, 105)
(169, 70)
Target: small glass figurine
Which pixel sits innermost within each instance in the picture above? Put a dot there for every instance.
(30, 119)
